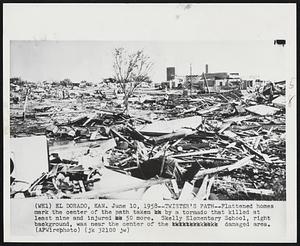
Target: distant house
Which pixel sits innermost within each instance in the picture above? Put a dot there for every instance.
(175, 83)
(193, 81)
(214, 82)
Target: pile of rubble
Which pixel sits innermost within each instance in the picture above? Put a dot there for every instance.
(226, 146)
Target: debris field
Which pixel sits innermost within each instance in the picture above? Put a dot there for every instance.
(169, 146)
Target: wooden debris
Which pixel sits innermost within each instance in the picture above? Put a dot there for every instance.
(192, 138)
(196, 153)
(172, 136)
(262, 110)
(239, 164)
(165, 127)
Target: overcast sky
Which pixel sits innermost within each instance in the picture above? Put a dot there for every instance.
(92, 61)
(229, 38)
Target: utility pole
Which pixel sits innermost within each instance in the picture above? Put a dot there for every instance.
(204, 77)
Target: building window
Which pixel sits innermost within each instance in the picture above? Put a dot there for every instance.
(221, 84)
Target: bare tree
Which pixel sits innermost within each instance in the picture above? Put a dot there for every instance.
(130, 71)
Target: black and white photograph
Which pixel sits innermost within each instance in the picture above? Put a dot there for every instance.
(148, 120)
(165, 122)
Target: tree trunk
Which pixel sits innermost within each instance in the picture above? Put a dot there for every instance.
(126, 103)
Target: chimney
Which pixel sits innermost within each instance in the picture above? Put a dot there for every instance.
(206, 68)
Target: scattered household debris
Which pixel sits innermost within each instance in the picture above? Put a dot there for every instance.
(262, 110)
(222, 146)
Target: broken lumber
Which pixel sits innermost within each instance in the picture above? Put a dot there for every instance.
(239, 164)
(200, 152)
(120, 136)
(172, 136)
